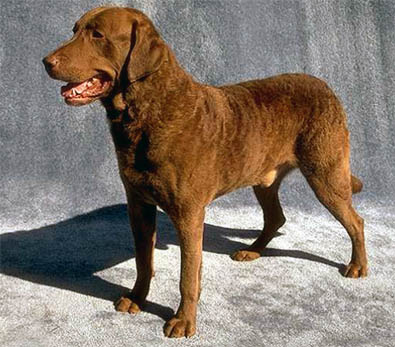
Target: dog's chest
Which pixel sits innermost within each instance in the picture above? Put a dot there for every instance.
(136, 166)
(137, 173)
(132, 147)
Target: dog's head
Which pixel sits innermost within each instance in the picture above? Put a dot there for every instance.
(111, 48)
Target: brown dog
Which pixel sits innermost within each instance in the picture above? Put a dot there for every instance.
(181, 144)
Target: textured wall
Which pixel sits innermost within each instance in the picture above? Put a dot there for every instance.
(56, 160)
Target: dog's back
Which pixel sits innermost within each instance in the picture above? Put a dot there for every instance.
(259, 126)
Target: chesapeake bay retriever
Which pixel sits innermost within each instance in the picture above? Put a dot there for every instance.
(181, 144)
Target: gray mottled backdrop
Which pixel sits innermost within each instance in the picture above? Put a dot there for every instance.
(57, 161)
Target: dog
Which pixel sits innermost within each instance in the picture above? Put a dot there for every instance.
(181, 144)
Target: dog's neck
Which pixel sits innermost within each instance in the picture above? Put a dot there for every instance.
(147, 99)
(148, 106)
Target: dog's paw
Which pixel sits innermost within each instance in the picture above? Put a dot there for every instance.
(355, 271)
(245, 255)
(125, 304)
(179, 327)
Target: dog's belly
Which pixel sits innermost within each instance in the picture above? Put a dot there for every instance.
(266, 180)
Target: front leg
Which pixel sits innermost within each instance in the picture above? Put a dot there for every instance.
(189, 225)
(143, 223)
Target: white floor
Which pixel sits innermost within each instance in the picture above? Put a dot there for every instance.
(294, 296)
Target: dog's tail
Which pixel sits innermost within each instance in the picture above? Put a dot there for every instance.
(356, 184)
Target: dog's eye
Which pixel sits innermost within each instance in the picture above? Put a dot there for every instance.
(97, 35)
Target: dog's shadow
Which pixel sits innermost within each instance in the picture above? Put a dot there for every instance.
(68, 254)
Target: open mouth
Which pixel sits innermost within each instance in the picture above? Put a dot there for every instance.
(81, 93)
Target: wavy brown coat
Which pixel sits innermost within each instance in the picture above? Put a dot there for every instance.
(180, 144)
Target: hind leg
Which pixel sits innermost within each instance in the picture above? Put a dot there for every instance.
(273, 218)
(332, 186)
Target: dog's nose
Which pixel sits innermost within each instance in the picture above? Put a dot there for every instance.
(50, 62)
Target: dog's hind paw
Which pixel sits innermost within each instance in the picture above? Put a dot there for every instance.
(125, 304)
(355, 271)
(245, 255)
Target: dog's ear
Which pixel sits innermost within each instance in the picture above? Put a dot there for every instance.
(147, 52)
